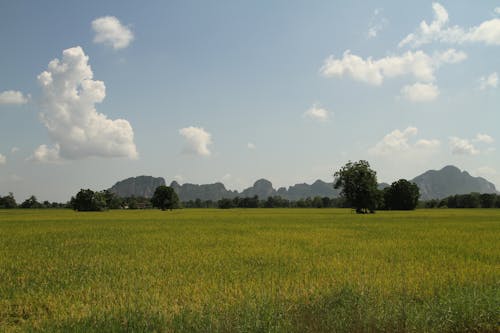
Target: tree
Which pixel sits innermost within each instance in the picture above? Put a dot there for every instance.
(8, 201)
(401, 195)
(358, 183)
(31, 202)
(165, 198)
(112, 200)
(88, 200)
(225, 203)
(487, 200)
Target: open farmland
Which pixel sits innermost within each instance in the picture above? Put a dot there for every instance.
(254, 270)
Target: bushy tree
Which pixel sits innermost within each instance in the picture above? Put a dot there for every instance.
(401, 195)
(8, 201)
(165, 198)
(88, 200)
(31, 202)
(358, 184)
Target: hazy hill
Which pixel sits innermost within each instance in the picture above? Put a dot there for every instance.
(438, 184)
(262, 188)
(142, 186)
(203, 192)
(433, 185)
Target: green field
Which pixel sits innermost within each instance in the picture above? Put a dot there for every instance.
(254, 270)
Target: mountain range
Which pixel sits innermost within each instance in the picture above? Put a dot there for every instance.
(433, 184)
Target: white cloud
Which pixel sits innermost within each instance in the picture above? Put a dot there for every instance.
(450, 56)
(110, 31)
(14, 150)
(69, 95)
(497, 10)
(179, 178)
(317, 113)
(12, 97)
(417, 64)
(462, 147)
(420, 92)
(232, 182)
(45, 154)
(377, 23)
(397, 142)
(3, 159)
(490, 81)
(485, 171)
(428, 144)
(197, 140)
(484, 138)
(438, 30)
(251, 146)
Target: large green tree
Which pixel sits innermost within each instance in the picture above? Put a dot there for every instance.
(165, 198)
(88, 200)
(358, 184)
(401, 195)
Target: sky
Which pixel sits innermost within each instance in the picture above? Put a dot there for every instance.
(92, 92)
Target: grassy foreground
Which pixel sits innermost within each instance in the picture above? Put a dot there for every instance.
(255, 270)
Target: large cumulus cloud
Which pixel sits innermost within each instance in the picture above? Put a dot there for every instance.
(69, 96)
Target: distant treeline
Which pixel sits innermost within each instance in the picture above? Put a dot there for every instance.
(471, 200)
(106, 200)
(9, 201)
(270, 202)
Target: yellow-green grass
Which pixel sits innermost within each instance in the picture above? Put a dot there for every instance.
(254, 270)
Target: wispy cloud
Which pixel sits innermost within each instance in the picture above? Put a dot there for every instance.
(373, 71)
(317, 113)
(439, 30)
(12, 97)
(490, 81)
(484, 138)
(462, 147)
(377, 23)
(109, 31)
(420, 92)
(398, 141)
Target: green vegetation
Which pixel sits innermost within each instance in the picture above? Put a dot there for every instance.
(401, 195)
(471, 200)
(257, 270)
(165, 198)
(359, 186)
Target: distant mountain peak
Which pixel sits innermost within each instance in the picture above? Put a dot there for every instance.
(140, 186)
(451, 168)
(263, 182)
(450, 180)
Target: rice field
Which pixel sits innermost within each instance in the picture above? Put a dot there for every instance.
(253, 270)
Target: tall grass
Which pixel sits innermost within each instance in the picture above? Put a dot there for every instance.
(256, 270)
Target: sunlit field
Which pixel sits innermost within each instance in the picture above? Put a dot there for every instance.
(254, 270)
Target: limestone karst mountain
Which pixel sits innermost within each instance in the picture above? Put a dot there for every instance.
(433, 184)
(438, 184)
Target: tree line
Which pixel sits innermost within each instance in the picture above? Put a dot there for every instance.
(356, 180)
(9, 202)
(471, 200)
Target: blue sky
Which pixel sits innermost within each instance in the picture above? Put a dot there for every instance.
(234, 91)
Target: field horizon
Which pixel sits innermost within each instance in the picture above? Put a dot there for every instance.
(250, 270)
